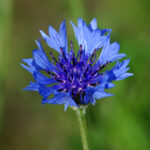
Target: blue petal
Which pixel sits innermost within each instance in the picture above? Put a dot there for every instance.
(110, 52)
(28, 61)
(96, 40)
(109, 85)
(93, 24)
(27, 68)
(63, 35)
(123, 76)
(104, 31)
(120, 68)
(87, 37)
(31, 68)
(89, 96)
(46, 37)
(41, 60)
(82, 33)
(41, 79)
(93, 93)
(62, 98)
(46, 92)
(32, 87)
(118, 72)
(56, 40)
(101, 94)
(100, 87)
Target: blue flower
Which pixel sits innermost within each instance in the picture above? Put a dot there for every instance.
(76, 80)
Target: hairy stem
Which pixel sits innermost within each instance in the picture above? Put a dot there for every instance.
(83, 127)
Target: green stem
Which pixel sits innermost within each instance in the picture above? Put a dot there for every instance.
(83, 127)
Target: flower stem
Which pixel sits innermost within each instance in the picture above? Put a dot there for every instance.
(83, 127)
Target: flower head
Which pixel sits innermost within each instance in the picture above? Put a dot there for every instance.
(75, 80)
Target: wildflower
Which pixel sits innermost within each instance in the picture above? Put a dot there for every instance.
(76, 80)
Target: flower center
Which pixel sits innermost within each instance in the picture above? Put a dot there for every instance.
(76, 73)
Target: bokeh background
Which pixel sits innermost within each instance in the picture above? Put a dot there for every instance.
(121, 122)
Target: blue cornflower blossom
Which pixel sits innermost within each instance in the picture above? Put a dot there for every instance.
(76, 80)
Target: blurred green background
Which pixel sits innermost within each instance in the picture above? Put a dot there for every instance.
(121, 122)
